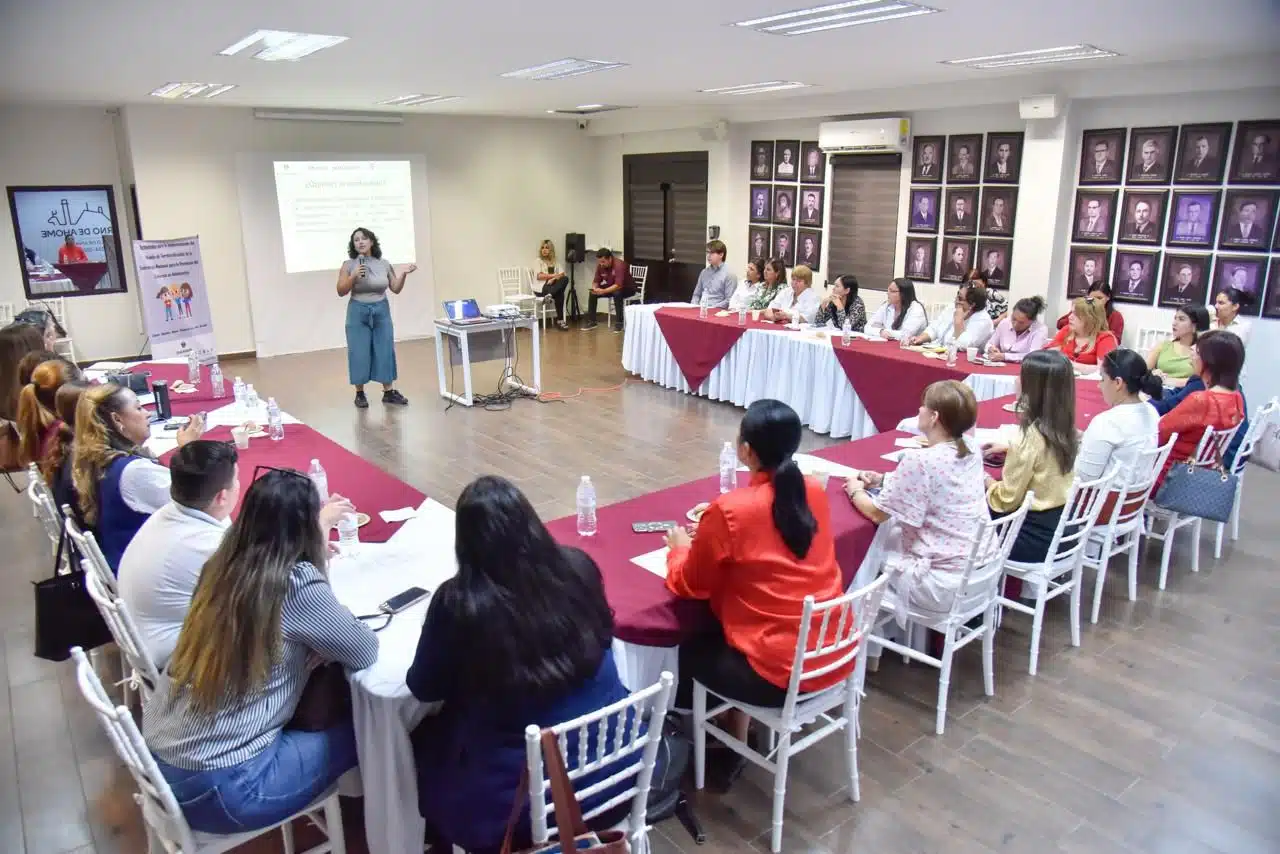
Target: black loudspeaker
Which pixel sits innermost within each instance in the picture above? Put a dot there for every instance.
(160, 389)
(575, 248)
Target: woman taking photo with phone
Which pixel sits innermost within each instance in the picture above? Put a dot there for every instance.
(371, 341)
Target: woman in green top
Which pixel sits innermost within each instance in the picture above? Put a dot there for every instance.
(775, 276)
(1171, 360)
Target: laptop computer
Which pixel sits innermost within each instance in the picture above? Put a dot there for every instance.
(463, 311)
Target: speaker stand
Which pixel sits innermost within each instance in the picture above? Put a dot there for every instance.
(572, 308)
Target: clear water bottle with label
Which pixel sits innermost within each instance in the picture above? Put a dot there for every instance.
(251, 399)
(951, 354)
(217, 384)
(702, 306)
(846, 331)
(237, 391)
(728, 468)
(193, 368)
(742, 316)
(587, 525)
(275, 421)
(348, 533)
(318, 476)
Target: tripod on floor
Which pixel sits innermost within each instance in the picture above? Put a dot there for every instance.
(572, 308)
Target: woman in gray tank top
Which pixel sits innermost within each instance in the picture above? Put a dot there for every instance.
(371, 343)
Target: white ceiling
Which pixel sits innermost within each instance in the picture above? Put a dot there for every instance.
(113, 53)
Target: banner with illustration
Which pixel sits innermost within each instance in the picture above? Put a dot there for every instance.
(175, 302)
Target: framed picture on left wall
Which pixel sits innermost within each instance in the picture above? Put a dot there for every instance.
(68, 240)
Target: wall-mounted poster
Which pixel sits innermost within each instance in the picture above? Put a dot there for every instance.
(927, 157)
(1271, 306)
(998, 208)
(1089, 267)
(813, 164)
(1150, 153)
(758, 244)
(1247, 217)
(809, 251)
(957, 259)
(784, 206)
(1094, 220)
(962, 207)
(68, 243)
(1257, 154)
(786, 163)
(811, 206)
(1245, 273)
(1202, 153)
(761, 203)
(784, 245)
(964, 154)
(919, 263)
(1193, 218)
(1004, 158)
(994, 259)
(924, 210)
(1134, 276)
(1101, 153)
(761, 161)
(1185, 280)
(1142, 217)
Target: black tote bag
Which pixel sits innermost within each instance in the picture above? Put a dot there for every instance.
(65, 614)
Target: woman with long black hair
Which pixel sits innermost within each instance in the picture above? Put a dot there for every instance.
(902, 315)
(371, 342)
(521, 635)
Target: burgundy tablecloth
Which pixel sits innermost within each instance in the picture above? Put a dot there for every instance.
(890, 381)
(85, 275)
(200, 400)
(370, 488)
(699, 343)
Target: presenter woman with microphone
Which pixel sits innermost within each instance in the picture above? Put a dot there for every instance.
(371, 344)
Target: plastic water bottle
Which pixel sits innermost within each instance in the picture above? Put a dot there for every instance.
(216, 382)
(951, 355)
(320, 479)
(742, 316)
(237, 391)
(587, 526)
(193, 368)
(702, 307)
(275, 421)
(348, 533)
(251, 399)
(728, 468)
(846, 331)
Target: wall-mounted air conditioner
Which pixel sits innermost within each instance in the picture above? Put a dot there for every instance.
(865, 136)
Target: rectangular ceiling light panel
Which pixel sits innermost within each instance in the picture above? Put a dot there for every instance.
(1044, 56)
(416, 100)
(835, 16)
(755, 88)
(180, 91)
(562, 68)
(282, 45)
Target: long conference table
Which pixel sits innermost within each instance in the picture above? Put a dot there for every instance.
(650, 622)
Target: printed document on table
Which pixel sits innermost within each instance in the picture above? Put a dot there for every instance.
(654, 561)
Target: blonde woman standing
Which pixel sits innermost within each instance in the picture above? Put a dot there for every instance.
(551, 280)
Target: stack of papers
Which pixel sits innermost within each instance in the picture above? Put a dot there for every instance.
(654, 561)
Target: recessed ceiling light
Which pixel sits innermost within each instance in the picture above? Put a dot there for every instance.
(178, 91)
(563, 68)
(589, 106)
(755, 88)
(589, 110)
(1069, 53)
(416, 100)
(282, 45)
(834, 16)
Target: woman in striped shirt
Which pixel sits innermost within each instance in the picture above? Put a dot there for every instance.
(262, 615)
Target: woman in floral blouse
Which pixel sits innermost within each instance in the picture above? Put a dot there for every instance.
(775, 277)
(843, 303)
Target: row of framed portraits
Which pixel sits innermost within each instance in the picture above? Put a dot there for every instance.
(792, 246)
(1190, 154)
(1175, 279)
(788, 161)
(960, 158)
(783, 205)
(962, 213)
(1190, 219)
(959, 256)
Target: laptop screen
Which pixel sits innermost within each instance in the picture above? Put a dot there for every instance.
(461, 309)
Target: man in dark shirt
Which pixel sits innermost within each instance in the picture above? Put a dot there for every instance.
(612, 281)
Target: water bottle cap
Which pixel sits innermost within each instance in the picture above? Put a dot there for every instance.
(728, 446)
(586, 479)
(271, 401)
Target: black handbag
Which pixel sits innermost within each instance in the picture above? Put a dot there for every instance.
(1207, 492)
(65, 615)
(325, 702)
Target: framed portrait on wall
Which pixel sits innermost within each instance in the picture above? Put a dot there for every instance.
(813, 164)
(1004, 158)
(919, 263)
(994, 258)
(809, 248)
(1185, 280)
(1193, 218)
(784, 206)
(761, 161)
(1089, 267)
(957, 259)
(999, 205)
(1257, 156)
(811, 206)
(924, 210)
(758, 244)
(1247, 220)
(928, 153)
(1101, 156)
(1202, 153)
(1094, 220)
(1245, 273)
(1134, 277)
(1150, 155)
(964, 157)
(68, 240)
(962, 210)
(783, 242)
(761, 203)
(1142, 216)
(1271, 301)
(786, 160)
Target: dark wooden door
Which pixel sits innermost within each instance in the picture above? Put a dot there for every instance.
(665, 220)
